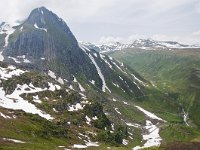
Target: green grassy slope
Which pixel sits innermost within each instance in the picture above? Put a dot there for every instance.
(175, 73)
(65, 129)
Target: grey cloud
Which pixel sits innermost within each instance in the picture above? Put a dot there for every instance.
(92, 19)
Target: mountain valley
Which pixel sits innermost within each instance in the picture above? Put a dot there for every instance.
(58, 93)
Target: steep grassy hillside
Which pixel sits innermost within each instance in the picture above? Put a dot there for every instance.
(37, 112)
(174, 72)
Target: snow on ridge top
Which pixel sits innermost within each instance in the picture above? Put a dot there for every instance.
(4, 27)
(83, 47)
(89, 45)
(172, 44)
(8, 30)
(116, 46)
(146, 44)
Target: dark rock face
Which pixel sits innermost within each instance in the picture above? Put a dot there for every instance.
(47, 42)
(46, 35)
(42, 34)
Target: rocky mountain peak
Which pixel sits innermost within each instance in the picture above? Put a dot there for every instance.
(44, 42)
(43, 34)
(39, 16)
(42, 18)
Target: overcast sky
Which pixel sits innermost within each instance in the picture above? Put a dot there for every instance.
(118, 20)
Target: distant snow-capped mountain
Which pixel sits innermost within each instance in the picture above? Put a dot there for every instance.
(106, 47)
(147, 44)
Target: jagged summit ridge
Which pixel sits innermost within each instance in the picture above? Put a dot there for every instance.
(147, 44)
(42, 17)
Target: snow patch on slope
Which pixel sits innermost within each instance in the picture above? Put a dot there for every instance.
(93, 82)
(13, 140)
(15, 59)
(16, 102)
(60, 80)
(87, 144)
(1, 56)
(81, 87)
(104, 86)
(75, 107)
(149, 114)
(152, 137)
(36, 99)
(53, 87)
(103, 58)
(6, 73)
(117, 110)
(185, 117)
(4, 116)
(125, 142)
(52, 74)
(118, 67)
(133, 125)
(23, 58)
(135, 78)
(79, 146)
(36, 26)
